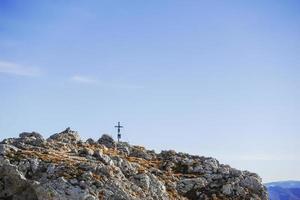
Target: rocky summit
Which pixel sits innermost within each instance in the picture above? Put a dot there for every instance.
(65, 167)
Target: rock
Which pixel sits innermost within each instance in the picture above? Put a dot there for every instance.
(14, 184)
(32, 134)
(235, 172)
(227, 189)
(128, 169)
(26, 140)
(64, 167)
(240, 191)
(252, 183)
(167, 154)
(98, 153)
(211, 164)
(34, 164)
(6, 149)
(66, 136)
(103, 158)
(124, 148)
(142, 180)
(190, 185)
(157, 188)
(91, 141)
(51, 169)
(107, 141)
(86, 152)
(74, 181)
(140, 152)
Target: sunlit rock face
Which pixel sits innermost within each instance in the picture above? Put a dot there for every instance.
(65, 167)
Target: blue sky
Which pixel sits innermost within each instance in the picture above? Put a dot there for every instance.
(214, 78)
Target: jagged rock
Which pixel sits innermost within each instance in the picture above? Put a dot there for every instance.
(123, 147)
(252, 183)
(32, 134)
(140, 152)
(63, 167)
(91, 141)
(157, 188)
(191, 185)
(107, 141)
(25, 139)
(66, 136)
(14, 184)
(6, 149)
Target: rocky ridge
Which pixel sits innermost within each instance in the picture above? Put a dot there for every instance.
(64, 167)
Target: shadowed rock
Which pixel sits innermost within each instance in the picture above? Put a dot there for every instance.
(32, 134)
(107, 141)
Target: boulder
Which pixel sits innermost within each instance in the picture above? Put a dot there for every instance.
(33, 134)
(140, 152)
(107, 141)
(91, 141)
(66, 136)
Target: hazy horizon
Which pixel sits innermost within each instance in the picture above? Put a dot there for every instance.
(211, 78)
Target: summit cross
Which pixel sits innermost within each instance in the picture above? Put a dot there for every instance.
(119, 130)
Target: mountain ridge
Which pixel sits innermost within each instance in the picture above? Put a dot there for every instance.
(284, 190)
(65, 167)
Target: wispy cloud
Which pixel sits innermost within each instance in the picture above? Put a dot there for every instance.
(93, 81)
(84, 79)
(17, 69)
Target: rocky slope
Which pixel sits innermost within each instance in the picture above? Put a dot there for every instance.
(64, 167)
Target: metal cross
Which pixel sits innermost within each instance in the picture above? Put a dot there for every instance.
(119, 130)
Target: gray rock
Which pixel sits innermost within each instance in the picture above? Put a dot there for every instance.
(34, 164)
(157, 188)
(91, 141)
(252, 183)
(107, 141)
(103, 158)
(86, 152)
(74, 181)
(6, 149)
(142, 180)
(140, 152)
(227, 189)
(66, 136)
(51, 169)
(186, 185)
(124, 148)
(32, 134)
(14, 184)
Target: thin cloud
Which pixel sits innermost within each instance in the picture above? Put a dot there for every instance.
(125, 86)
(92, 81)
(84, 79)
(18, 70)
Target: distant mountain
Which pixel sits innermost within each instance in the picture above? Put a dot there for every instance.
(284, 190)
